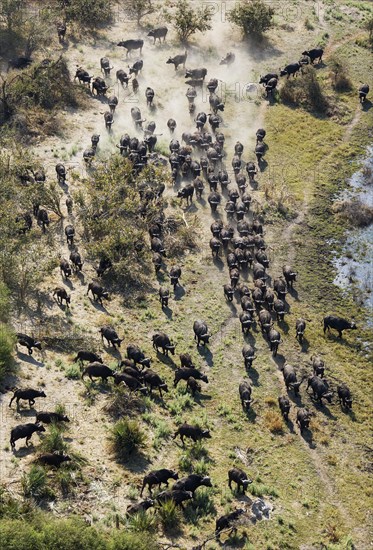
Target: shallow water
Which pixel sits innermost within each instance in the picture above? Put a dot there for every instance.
(354, 264)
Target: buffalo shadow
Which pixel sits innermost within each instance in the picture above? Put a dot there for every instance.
(179, 292)
(110, 350)
(307, 436)
(283, 325)
(263, 164)
(290, 425)
(280, 361)
(305, 345)
(167, 311)
(249, 338)
(218, 262)
(321, 407)
(206, 354)
(200, 397)
(68, 283)
(366, 105)
(250, 415)
(293, 293)
(24, 451)
(253, 375)
(27, 413)
(166, 360)
(232, 306)
(202, 202)
(29, 359)
(97, 305)
(335, 338)
(80, 275)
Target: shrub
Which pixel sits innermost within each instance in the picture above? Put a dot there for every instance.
(305, 91)
(34, 483)
(142, 522)
(254, 17)
(127, 437)
(20, 535)
(89, 14)
(4, 303)
(187, 21)
(340, 79)
(71, 534)
(53, 440)
(123, 403)
(7, 342)
(273, 422)
(357, 213)
(73, 373)
(133, 541)
(169, 515)
(309, 26)
(369, 27)
(137, 9)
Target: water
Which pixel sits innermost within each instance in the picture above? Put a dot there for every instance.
(354, 264)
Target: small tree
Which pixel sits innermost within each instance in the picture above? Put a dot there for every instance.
(254, 17)
(11, 10)
(188, 21)
(137, 9)
(88, 13)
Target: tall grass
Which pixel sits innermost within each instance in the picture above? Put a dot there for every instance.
(126, 438)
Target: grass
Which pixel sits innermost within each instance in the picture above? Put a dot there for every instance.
(169, 516)
(34, 484)
(126, 438)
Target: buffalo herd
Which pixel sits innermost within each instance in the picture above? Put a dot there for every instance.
(199, 158)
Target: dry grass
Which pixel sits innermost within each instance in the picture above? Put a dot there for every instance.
(273, 421)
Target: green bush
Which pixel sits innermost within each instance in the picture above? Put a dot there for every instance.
(4, 303)
(133, 541)
(253, 17)
(340, 80)
(305, 91)
(170, 516)
(72, 534)
(187, 21)
(126, 437)
(89, 14)
(53, 440)
(7, 342)
(143, 522)
(19, 535)
(34, 483)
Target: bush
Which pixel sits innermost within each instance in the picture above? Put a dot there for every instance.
(357, 213)
(305, 91)
(340, 79)
(53, 440)
(71, 534)
(34, 483)
(89, 14)
(123, 403)
(7, 342)
(133, 541)
(127, 437)
(169, 515)
(273, 422)
(4, 303)
(254, 17)
(187, 21)
(20, 535)
(143, 522)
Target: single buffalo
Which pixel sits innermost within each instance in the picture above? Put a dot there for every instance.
(191, 483)
(245, 394)
(339, 324)
(314, 54)
(98, 370)
(240, 477)
(28, 394)
(157, 477)
(303, 419)
(24, 431)
(344, 396)
(110, 336)
(130, 45)
(192, 432)
(201, 333)
(159, 33)
(28, 341)
(161, 340)
(50, 417)
(284, 404)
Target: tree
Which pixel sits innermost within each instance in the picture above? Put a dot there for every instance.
(188, 21)
(88, 13)
(137, 9)
(10, 11)
(254, 17)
